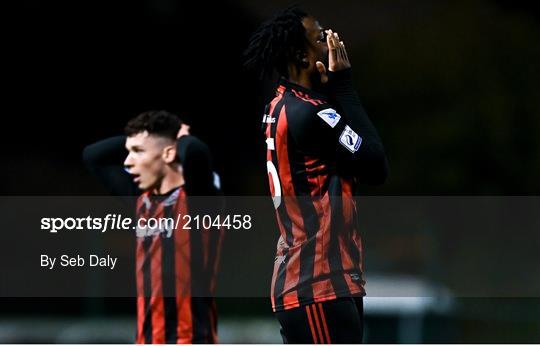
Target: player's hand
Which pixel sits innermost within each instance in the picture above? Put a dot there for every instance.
(184, 131)
(337, 56)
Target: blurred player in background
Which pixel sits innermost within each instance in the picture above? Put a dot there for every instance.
(320, 145)
(162, 163)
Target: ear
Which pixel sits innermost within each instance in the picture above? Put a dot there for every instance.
(302, 58)
(169, 154)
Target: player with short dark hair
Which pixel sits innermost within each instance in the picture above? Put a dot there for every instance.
(162, 163)
(320, 145)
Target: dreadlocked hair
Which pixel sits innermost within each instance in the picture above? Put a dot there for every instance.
(276, 42)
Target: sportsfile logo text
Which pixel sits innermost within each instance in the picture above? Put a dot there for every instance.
(145, 227)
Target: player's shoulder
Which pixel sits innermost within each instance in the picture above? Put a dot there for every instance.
(305, 101)
(304, 109)
(300, 104)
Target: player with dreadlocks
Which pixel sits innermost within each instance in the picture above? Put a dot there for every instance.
(320, 145)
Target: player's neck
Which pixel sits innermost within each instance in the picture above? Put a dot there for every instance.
(172, 179)
(301, 79)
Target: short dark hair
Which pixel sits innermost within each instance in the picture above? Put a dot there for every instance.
(276, 43)
(159, 123)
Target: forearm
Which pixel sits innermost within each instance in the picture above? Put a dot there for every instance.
(110, 151)
(196, 162)
(369, 161)
(105, 160)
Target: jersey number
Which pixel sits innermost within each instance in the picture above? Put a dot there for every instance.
(276, 198)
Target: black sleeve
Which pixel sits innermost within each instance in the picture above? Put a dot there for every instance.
(342, 131)
(105, 160)
(196, 161)
(369, 162)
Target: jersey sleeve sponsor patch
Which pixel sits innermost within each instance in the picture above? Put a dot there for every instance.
(330, 116)
(350, 139)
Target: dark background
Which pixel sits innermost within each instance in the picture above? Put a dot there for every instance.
(452, 87)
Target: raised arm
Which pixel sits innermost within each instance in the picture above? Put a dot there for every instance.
(105, 160)
(361, 152)
(196, 161)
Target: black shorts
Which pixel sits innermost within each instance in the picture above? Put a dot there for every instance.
(336, 321)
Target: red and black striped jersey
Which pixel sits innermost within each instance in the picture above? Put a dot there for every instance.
(315, 155)
(175, 271)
